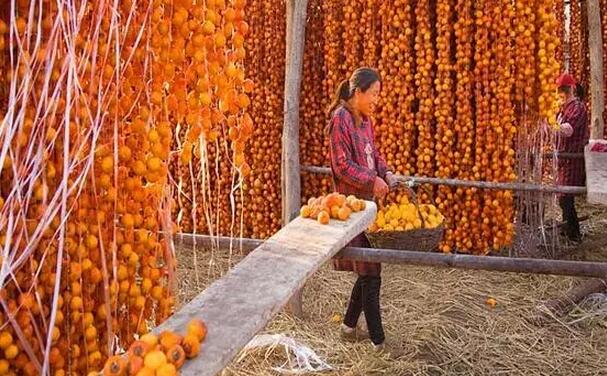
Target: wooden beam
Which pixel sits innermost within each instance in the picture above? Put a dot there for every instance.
(595, 46)
(239, 305)
(456, 261)
(291, 174)
(416, 180)
(564, 155)
(491, 263)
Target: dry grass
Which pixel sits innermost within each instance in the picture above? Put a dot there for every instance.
(438, 319)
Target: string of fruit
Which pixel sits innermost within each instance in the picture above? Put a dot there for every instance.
(214, 92)
(503, 131)
(402, 105)
(265, 65)
(313, 139)
(463, 131)
(91, 248)
(559, 12)
(445, 104)
(404, 35)
(425, 56)
(85, 188)
(549, 66)
(395, 123)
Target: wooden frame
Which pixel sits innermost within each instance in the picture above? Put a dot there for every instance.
(228, 334)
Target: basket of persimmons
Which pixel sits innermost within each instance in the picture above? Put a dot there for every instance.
(406, 225)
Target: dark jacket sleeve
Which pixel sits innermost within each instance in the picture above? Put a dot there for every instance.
(575, 115)
(341, 155)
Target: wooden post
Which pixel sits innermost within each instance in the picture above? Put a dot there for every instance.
(290, 169)
(595, 45)
(563, 304)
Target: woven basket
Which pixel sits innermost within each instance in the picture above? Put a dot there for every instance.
(423, 239)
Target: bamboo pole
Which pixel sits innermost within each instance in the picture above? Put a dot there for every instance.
(595, 46)
(564, 155)
(490, 263)
(417, 180)
(457, 261)
(290, 168)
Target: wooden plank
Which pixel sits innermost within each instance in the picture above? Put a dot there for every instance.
(417, 180)
(596, 176)
(595, 47)
(240, 304)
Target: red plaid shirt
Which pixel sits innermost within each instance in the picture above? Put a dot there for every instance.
(355, 163)
(571, 171)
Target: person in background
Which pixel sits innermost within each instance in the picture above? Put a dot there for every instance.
(358, 169)
(573, 135)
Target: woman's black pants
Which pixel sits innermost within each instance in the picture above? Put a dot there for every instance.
(365, 298)
(572, 224)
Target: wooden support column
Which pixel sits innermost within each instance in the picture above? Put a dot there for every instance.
(595, 45)
(291, 178)
(291, 175)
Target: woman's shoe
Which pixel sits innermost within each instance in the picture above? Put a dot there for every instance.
(391, 351)
(353, 334)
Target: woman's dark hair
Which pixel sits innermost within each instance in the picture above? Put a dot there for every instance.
(361, 79)
(580, 92)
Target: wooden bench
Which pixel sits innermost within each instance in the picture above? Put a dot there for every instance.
(596, 176)
(239, 305)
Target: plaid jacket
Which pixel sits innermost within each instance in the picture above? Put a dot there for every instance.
(355, 163)
(571, 171)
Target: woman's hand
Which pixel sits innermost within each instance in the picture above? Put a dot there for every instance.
(391, 180)
(380, 188)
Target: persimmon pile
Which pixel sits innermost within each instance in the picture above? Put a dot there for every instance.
(332, 206)
(157, 355)
(98, 100)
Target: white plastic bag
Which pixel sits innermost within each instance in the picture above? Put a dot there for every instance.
(593, 307)
(305, 359)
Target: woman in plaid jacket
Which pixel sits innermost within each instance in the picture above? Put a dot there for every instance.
(573, 136)
(358, 169)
